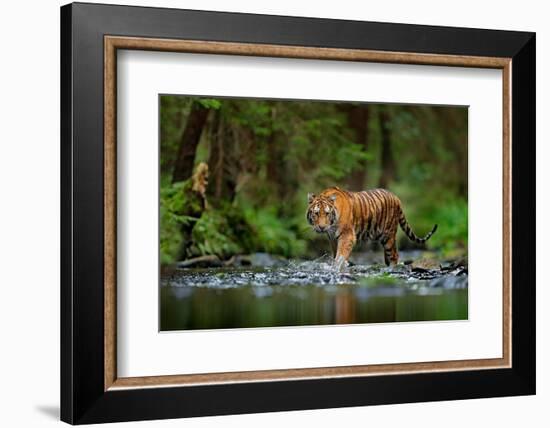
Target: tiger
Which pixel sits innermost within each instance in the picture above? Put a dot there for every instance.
(347, 217)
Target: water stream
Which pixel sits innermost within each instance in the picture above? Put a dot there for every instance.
(298, 293)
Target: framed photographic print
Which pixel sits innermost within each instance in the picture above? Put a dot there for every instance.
(265, 213)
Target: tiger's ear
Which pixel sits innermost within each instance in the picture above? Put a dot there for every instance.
(310, 197)
(332, 198)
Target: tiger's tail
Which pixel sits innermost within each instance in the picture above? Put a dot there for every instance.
(410, 234)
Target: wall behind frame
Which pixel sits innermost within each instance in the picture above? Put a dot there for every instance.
(29, 218)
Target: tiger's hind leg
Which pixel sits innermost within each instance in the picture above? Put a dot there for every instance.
(391, 256)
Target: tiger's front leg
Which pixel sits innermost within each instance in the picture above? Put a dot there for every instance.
(333, 246)
(346, 242)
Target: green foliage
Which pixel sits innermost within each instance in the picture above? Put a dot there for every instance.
(174, 198)
(272, 234)
(210, 103)
(212, 234)
(170, 221)
(449, 212)
(452, 232)
(232, 230)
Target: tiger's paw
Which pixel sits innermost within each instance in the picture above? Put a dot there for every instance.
(340, 263)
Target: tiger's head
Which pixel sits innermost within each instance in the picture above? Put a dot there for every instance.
(321, 212)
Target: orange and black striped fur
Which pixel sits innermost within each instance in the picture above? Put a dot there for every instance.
(347, 217)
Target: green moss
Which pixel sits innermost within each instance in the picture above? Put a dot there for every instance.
(179, 209)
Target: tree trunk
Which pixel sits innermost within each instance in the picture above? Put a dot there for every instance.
(275, 164)
(196, 121)
(221, 162)
(358, 119)
(457, 142)
(387, 160)
(281, 173)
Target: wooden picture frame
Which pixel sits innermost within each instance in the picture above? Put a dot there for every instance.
(91, 391)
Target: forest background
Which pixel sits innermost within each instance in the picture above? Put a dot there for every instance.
(264, 156)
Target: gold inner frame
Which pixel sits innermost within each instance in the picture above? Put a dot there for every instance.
(113, 43)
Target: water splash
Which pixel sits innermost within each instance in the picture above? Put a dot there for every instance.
(320, 272)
